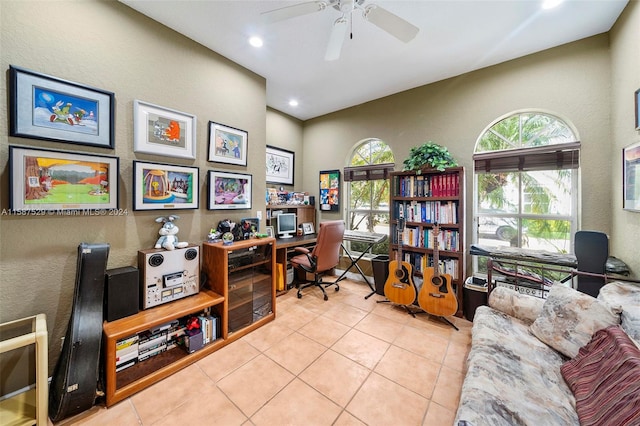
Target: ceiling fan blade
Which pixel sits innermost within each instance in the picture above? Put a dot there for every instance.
(294, 11)
(336, 39)
(391, 23)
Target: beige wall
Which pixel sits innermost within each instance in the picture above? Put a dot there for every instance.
(625, 80)
(284, 131)
(108, 45)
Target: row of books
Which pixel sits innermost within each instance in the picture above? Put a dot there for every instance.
(442, 212)
(149, 343)
(440, 185)
(419, 262)
(448, 239)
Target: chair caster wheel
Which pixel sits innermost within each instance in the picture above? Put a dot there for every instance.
(299, 296)
(326, 297)
(337, 289)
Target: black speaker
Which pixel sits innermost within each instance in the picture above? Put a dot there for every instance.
(122, 293)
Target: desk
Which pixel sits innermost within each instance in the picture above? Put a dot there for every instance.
(284, 246)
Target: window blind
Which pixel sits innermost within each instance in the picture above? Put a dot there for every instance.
(369, 172)
(548, 157)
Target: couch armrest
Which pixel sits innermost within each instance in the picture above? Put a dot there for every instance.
(520, 306)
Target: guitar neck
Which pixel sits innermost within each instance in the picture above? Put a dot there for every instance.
(436, 256)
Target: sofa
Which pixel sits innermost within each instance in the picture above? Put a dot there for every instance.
(569, 359)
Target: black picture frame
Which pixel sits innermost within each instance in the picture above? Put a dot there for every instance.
(50, 108)
(229, 191)
(227, 144)
(280, 165)
(637, 102)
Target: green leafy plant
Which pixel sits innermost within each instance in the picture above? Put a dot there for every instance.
(429, 154)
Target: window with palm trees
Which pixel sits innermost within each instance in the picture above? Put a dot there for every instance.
(526, 183)
(368, 192)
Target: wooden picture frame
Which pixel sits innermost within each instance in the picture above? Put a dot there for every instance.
(330, 190)
(227, 144)
(159, 186)
(228, 191)
(50, 108)
(631, 177)
(43, 180)
(280, 165)
(307, 228)
(163, 131)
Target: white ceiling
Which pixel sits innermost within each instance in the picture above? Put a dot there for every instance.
(456, 36)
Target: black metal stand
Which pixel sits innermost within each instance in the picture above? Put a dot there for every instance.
(354, 262)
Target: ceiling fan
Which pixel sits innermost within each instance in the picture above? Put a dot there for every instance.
(380, 17)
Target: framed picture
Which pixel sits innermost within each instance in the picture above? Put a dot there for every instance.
(307, 228)
(227, 145)
(163, 131)
(631, 176)
(252, 223)
(330, 190)
(50, 108)
(280, 165)
(269, 231)
(164, 186)
(637, 101)
(46, 180)
(229, 191)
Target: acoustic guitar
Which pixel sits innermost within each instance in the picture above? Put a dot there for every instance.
(399, 287)
(436, 296)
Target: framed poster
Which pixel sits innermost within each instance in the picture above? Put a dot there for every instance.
(50, 108)
(631, 177)
(637, 101)
(163, 131)
(227, 145)
(330, 190)
(280, 165)
(47, 180)
(164, 186)
(229, 191)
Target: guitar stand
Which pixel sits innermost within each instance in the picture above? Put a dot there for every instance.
(409, 311)
(448, 322)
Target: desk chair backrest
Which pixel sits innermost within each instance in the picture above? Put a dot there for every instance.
(592, 251)
(327, 249)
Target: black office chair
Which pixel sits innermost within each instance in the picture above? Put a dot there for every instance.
(324, 256)
(592, 251)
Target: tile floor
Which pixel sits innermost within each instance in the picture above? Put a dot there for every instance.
(345, 361)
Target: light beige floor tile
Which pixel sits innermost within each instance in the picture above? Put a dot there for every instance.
(345, 314)
(324, 330)
(294, 317)
(362, 348)
(255, 383)
(223, 361)
(422, 343)
(211, 407)
(448, 386)
(297, 404)
(172, 391)
(347, 419)
(433, 325)
(122, 413)
(295, 352)
(456, 357)
(383, 402)
(267, 335)
(381, 327)
(438, 415)
(335, 376)
(407, 369)
(391, 311)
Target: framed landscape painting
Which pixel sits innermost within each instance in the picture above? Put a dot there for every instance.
(229, 191)
(50, 108)
(164, 186)
(163, 131)
(46, 180)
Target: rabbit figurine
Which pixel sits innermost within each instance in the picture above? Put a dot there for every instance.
(169, 233)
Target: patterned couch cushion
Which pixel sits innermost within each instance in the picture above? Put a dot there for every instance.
(569, 319)
(520, 306)
(505, 384)
(605, 379)
(627, 295)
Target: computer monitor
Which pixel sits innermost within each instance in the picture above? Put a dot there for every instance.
(286, 225)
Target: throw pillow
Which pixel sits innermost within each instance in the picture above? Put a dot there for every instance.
(569, 319)
(521, 306)
(627, 295)
(605, 379)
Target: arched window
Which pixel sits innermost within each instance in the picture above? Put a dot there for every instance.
(368, 191)
(526, 183)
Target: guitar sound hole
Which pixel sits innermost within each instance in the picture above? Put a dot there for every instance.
(399, 274)
(437, 281)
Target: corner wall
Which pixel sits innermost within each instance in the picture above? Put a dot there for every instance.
(107, 45)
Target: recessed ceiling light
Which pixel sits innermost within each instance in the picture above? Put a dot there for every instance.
(550, 4)
(293, 103)
(255, 41)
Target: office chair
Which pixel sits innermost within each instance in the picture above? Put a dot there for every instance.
(592, 251)
(324, 256)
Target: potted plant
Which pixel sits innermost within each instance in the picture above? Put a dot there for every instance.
(429, 154)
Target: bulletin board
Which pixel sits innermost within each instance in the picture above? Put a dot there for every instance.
(330, 190)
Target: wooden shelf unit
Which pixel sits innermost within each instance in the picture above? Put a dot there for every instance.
(428, 197)
(215, 263)
(304, 213)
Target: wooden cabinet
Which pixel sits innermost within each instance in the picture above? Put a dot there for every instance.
(304, 213)
(232, 289)
(425, 199)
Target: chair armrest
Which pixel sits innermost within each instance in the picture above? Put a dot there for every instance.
(302, 250)
(515, 304)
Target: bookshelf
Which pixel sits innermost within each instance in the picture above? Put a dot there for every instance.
(427, 198)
